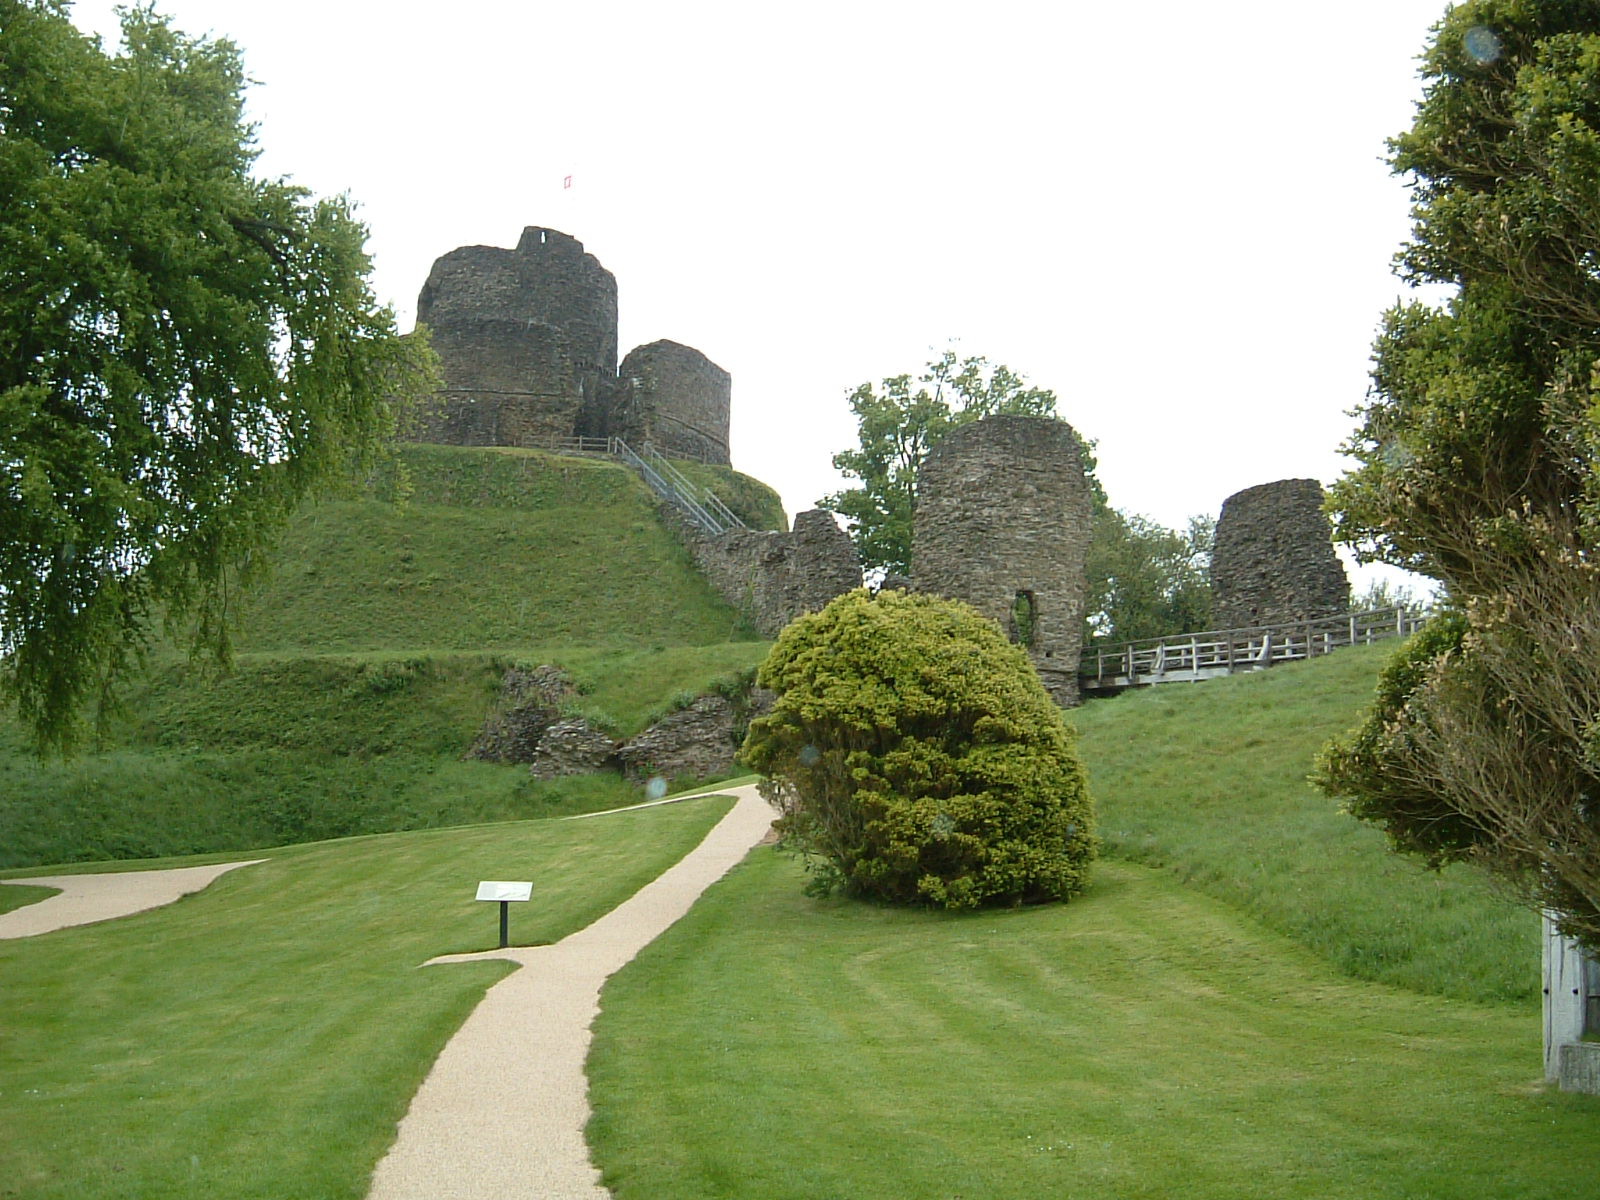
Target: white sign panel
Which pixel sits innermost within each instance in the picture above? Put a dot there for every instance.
(501, 889)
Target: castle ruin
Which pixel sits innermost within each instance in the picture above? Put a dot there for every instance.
(1274, 561)
(527, 342)
(1003, 522)
(774, 577)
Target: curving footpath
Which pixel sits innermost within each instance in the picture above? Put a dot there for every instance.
(85, 899)
(502, 1112)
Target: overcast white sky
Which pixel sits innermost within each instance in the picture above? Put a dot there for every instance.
(1174, 215)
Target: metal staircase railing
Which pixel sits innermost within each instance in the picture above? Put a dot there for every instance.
(699, 504)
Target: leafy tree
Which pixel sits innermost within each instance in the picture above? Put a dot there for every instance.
(1478, 449)
(185, 352)
(1145, 580)
(916, 758)
(897, 426)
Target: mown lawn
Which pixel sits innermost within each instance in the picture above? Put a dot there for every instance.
(261, 1039)
(1145, 1041)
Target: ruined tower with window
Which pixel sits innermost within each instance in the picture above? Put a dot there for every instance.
(1003, 522)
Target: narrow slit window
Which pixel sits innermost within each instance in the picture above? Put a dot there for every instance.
(1024, 619)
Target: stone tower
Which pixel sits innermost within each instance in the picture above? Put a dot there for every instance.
(1003, 523)
(527, 339)
(1274, 561)
(675, 398)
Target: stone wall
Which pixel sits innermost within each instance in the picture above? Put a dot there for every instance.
(506, 383)
(530, 725)
(1003, 523)
(1274, 561)
(675, 398)
(771, 576)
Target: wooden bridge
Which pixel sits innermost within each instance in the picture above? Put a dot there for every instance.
(1191, 657)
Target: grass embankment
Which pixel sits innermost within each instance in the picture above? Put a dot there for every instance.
(1204, 1028)
(372, 656)
(261, 1039)
(1209, 781)
(489, 549)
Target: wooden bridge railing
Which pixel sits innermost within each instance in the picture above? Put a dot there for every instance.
(1193, 656)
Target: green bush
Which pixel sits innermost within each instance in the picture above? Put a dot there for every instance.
(916, 758)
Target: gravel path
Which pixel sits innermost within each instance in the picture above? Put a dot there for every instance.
(85, 899)
(501, 1114)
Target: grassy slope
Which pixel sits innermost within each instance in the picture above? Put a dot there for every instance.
(259, 1040)
(371, 657)
(491, 549)
(1241, 1011)
(1210, 781)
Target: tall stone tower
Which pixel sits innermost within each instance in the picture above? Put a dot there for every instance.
(1003, 522)
(1274, 561)
(527, 340)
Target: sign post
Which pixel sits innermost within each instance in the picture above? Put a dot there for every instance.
(505, 892)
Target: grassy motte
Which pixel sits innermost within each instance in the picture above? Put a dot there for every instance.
(1145, 1041)
(373, 655)
(486, 548)
(260, 1039)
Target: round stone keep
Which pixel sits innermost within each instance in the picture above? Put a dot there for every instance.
(1003, 522)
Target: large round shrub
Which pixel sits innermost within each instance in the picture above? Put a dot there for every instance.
(915, 757)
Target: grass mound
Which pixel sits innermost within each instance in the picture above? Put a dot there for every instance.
(373, 654)
(460, 548)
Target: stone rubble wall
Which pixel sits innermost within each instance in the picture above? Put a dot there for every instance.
(1274, 561)
(530, 726)
(771, 576)
(1004, 511)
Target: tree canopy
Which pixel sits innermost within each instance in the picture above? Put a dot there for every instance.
(1145, 580)
(916, 758)
(897, 426)
(1477, 451)
(186, 352)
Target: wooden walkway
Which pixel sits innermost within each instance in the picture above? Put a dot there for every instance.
(1194, 656)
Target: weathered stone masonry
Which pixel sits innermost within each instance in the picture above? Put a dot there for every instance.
(676, 397)
(527, 340)
(1003, 523)
(1274, 561)
(774, 577)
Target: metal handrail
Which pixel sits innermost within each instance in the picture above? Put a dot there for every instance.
(701, 505)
